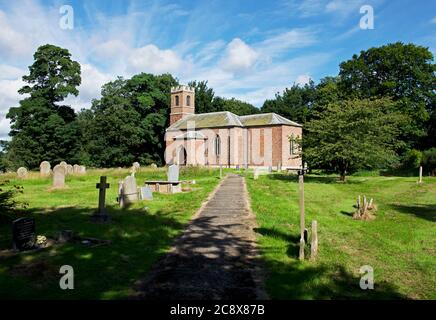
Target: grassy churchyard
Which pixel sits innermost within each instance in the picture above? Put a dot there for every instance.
(399, 244)
(139, 234)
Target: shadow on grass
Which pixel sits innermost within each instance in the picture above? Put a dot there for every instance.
(312, 179)
(297, 280)
(308, 280)
(427, 212)
(138, 239)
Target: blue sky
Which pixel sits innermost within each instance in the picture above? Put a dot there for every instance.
(245, 49)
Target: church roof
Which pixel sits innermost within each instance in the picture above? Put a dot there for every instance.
(265, 119)
(229, 119)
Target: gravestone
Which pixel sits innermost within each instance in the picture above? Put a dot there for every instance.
(23, 234)
(101, 214)
(153, 165)
(63, 163)
(76, 168)
(70, 169)
(44, 168)
(81, 170)
(59, 173)
(136, 165)
(130, 190)
(22, 172)
(256, 174)
(145, 193)
(173, 173)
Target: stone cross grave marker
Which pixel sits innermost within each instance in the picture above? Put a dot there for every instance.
(173, 173)
(44, 168)
(102, 186)
(59, 173)
(23, 234)
(22, 172)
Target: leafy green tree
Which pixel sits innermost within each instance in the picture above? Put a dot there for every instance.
(41, 129)
(294, 103)
(403, 72)
(128, 122)
(204, 96)
(352, 135)
(429, 160)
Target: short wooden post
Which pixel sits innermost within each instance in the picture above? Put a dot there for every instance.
(420, 174)
(302, 223)
(314, 241)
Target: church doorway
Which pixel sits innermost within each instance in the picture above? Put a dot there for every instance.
(182, 156)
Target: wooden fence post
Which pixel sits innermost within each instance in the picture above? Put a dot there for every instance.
(302, 223)
(314, 241)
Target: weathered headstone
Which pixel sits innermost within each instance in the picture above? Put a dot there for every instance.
(23, 234)
(76, 168)
(136, 165)
(44, 169)
(145, 193)
(63, 163)
(22, 172)
(153, 165)
(173, 173)
(59, 173)
(130, 190)
(79, 169)
(70, 169)
(101, 214)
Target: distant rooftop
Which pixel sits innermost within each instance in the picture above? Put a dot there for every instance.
(229, 119)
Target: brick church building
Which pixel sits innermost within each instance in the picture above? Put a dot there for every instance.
(223, 138)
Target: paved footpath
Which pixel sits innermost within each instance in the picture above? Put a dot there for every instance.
(216, 257)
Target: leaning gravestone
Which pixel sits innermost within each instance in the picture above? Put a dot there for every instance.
(23, 234)
(44, 168)
(59, 173)
(22, 172)
(130, 190)
(173, 173)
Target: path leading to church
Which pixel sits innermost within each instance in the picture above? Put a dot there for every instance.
(216, 257)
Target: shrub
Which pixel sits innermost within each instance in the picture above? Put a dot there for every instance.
(429, 160)
(412, 159)
(8, 204)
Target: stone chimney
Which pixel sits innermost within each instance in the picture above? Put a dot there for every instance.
(182, 102)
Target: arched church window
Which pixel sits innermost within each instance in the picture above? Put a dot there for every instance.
(177, 100)
(188, 101)
(217, 146)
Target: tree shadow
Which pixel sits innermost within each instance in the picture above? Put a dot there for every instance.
(138, 240)
(426, 212)
(312, 179)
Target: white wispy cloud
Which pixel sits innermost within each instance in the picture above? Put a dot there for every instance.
(127, 44)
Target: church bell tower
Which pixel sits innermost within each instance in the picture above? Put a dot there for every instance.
(182, 102)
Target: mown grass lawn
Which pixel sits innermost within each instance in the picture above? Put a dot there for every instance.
(140, 235)
(400, 244)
